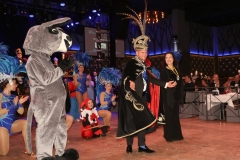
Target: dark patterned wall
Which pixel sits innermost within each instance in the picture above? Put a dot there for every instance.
(159, 33)
(229, 40)
(204, 64)
(229, 65)
(201, 39)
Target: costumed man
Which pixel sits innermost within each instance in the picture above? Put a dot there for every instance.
(134, 116)
(89, 116)
(48, 94)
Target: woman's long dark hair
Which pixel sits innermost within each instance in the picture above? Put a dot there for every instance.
(3, 84)
(174, 59)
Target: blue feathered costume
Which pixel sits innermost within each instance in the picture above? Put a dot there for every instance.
(107, 75)
(9, 67)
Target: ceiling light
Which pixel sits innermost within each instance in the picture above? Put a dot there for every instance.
(152, 16)
(62, 4)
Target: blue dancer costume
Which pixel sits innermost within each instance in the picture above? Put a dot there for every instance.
(9, 67)
(107, 75)
(82, 87)
(107, 98)
(7, 119)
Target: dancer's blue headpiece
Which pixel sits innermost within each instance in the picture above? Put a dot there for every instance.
(107, 75)
(81, 59)
(9, 66)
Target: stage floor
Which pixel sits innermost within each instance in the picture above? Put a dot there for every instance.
(203, 140)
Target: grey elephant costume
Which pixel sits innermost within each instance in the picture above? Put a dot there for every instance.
(48, 94)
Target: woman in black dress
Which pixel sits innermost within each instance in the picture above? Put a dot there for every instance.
(171, 98)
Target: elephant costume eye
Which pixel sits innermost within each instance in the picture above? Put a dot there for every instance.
(53, 30)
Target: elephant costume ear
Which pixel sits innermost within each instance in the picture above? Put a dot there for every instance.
(56, 23)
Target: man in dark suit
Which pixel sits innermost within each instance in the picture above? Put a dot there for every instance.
(216, 85)
(134, 116)
(235, 83)
(189, 85)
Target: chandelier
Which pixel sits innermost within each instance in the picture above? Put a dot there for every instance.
(152, 16)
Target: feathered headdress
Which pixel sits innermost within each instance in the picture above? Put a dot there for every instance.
(81, 59)
(140, 43)
(3, 49)
(107, 75)
(9, 67)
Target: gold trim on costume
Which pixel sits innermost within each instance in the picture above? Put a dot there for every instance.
(137, 106)
(125, 81)
(137, 130)
(140, 64)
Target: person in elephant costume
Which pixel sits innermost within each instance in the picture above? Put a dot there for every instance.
(47, 91)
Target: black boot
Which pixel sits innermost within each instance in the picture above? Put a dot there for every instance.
(129, 149)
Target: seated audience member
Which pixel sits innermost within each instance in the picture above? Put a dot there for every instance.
(216, 85)
(89, 116)
(235, 82)
(204, 84)
(189, 85)
(227, 85)
(198, 84)
(235, 85)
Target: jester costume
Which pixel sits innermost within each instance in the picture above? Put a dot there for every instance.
(89, 116)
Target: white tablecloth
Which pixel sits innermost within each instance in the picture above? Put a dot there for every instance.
(213, 100)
